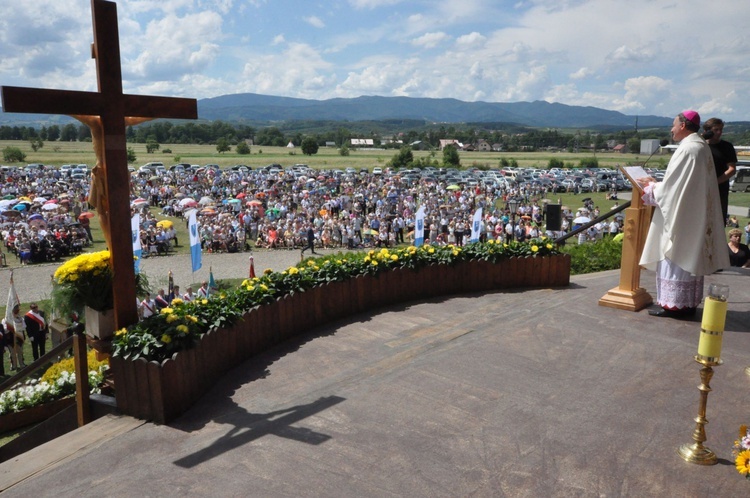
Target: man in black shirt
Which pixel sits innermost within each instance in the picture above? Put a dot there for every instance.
(725, 159)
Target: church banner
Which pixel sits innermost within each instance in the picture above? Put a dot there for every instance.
(419, 227)
(135, 228)
(476, 226)
(195, 242)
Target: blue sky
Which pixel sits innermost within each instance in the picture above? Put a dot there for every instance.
(637, 57)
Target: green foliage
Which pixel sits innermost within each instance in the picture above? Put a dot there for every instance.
(589, 162)
(451, 158)
(152, 146)
(36, 144)
(13, 154)
(222, 145)
(555, 163)
(594, 257)
(309, 146)
(132, 157)
(344, 151)
(404, 158)
(242, 148)
(166, 151)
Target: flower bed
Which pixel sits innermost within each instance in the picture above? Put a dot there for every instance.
(159, 373)
(36, 400)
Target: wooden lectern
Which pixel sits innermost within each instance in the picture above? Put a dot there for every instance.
(629, 295)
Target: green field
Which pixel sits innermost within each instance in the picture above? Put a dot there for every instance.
(58, 153)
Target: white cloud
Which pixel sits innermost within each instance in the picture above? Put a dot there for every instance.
(315, 22)
(372, 4)
(430, 40)
(472, 40)
(581, 74)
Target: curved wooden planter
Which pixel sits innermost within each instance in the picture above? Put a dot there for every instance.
(162, 391)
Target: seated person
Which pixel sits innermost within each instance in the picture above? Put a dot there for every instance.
(739, 253)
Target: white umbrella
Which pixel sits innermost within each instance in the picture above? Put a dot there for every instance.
(205, 201)
(139, 202)
(581, 220)
(187, 201)
(50, 207)
(40, 200)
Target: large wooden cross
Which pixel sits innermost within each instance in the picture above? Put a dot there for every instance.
(106, 112)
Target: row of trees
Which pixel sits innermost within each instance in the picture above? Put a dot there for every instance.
(225, 135)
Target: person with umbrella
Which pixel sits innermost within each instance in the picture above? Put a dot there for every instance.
(85, 220)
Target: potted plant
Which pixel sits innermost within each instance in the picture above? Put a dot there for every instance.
(84, 283)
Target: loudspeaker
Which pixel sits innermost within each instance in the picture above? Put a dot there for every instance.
(554, 217)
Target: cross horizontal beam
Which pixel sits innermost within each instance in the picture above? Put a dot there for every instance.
(70, 102)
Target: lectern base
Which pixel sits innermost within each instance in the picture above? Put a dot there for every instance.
(634, 300)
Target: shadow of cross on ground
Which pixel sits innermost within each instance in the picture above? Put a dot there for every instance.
(259, 425)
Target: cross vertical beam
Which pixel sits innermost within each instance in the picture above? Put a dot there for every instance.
(107, 112)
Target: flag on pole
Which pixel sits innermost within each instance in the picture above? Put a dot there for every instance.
(12, 301)
(476, 226)
(252, 268)
(419, 227)
(195, 242)
(211, 282)
(135, 228)
(170, 284)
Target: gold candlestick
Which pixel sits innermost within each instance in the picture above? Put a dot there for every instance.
(696, 452)
(709, 353)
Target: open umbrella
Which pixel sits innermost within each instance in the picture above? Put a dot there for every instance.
(40, 200)
(11, 213)
(35, 216)
(139, 202)
(21, 206)
(206, 200)
(51, 201)
(234, 201)
(453, 187)
(241, 195)
(165, 224)
(86, 214)
(581, 220)
(188, 201)
(50, 207)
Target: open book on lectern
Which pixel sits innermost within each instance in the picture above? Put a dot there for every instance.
(635, 173)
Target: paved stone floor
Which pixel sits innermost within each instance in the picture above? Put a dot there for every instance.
(517, 394)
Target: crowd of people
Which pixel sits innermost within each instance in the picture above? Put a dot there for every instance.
(256, 209)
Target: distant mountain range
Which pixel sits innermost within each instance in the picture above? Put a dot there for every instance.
(264, 109)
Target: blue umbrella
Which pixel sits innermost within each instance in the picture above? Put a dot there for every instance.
(36, 216)
(20, 206)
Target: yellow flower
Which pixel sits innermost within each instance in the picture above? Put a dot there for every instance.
(182, 329)
(267, 271)
(176, 301)
(549, 246)
(455, 252)
(223, 295)
(293, 271)
(204, 301)
(172, 318)
(534, 248)
(394, 257)
(250, 287)
(264, 287)
(311, 263)
(121, 332)
(491, 241)
(166, 311)
(192, 318)
(367, 259)
(431, 250)
(374, 263)
(742, 462)
(166, 339)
